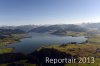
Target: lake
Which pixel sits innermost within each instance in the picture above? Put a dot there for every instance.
(28, 45)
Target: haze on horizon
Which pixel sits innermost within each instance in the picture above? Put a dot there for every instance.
(25, 12)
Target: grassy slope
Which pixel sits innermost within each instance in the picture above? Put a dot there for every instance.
(6, 50)
(80, 50)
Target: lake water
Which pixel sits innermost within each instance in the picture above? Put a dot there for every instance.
(28, 45)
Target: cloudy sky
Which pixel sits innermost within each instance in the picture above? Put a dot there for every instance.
(23, 12)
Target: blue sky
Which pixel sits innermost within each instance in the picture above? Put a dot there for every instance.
(23, 12)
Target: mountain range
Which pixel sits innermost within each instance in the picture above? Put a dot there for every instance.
(58, 27)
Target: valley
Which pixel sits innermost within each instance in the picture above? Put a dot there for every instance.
(54, 41)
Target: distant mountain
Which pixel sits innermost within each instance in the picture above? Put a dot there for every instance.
(59, 29)
(47, 28)
(91, 25)
(93, 28)
(10, 31)
(64, 27)
(25, 28)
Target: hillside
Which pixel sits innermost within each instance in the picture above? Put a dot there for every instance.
(91, 25)
(64, 27)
